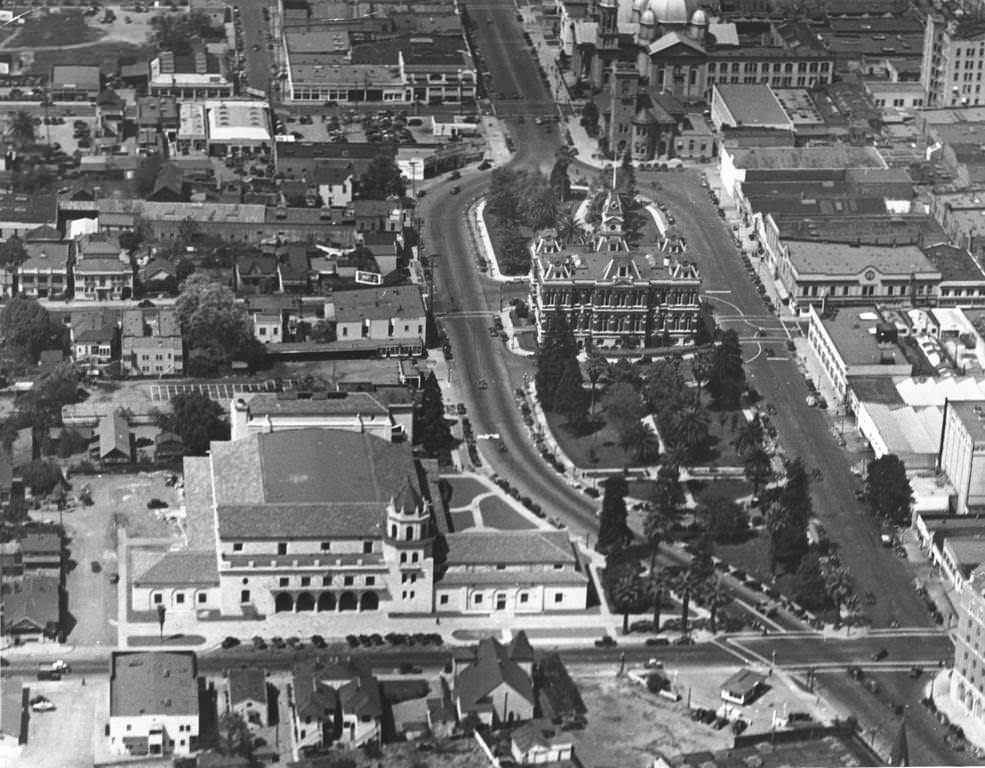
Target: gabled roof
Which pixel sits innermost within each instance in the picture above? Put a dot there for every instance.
(312, 698)
(517, 547)
(361, 697)
(31, 602)
(247, 685)
(491, 669)
(114, 435)
(520, 648)
(181, 568)
(47, 543)
(45, 233)
(673, 39)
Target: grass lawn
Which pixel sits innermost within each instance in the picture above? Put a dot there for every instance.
(147, 640)
(463, 490)
(462, 520)
(706, 490)
(496, 513)
(66, 28)
(496, 232)
(752, 555)
(581, 447)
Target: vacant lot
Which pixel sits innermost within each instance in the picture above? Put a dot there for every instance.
(66, 28)
(102, 54)
(64, 738)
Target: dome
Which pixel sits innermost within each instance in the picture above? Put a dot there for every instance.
(699, 18)
(639, 6)
(673, 11)
(607, 4)
(648, 19)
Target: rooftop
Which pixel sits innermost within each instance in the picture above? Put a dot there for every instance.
(247, 685)
(837, 259)
(753, 105)
(276, 404)
(238, 120)
(180, 568)
(33, 600)
(153, 683)
(79, 77)
(509, 547)
(784, 158)
(378, 303)
(971, 414)
(955, 264)
(854, 334)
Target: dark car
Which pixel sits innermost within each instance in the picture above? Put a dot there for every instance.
(605, 642)
(684, 640)
(657, 641)
(278, 643)
(879, 655)
(318, 641)
(156, 504)
(455, 175)
(352, 640)
(295, 643)
(456, 189)
(259, 643)
(230, 642)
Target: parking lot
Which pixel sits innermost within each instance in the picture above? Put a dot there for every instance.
(220, 392)
(65, 737)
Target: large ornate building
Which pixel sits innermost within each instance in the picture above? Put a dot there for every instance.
(611, 294)
(679, 48)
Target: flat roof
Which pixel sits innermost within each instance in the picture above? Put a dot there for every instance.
(854, 334)
(955, 264)
(238, 121)
(971, 414)
(153, 683)
(369, 76)
(191, 120)
(836, 259)
(837, 157)
(752, 105)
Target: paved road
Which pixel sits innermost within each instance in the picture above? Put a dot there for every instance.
(255, 31)
(803, 431)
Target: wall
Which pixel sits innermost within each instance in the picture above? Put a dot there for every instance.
(179, 731)
(541, 599)
(142, 598)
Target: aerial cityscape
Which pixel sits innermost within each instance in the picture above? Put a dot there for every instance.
(576, 383)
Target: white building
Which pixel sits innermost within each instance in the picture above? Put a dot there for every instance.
(153, 703)
(962, 455)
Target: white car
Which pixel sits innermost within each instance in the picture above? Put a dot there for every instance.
(43, 706)
(654, 664)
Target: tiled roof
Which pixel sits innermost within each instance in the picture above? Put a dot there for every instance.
(181, 568)
(454, 577)
(511, 547)
(314, 521)
(114, 435)
(155, 683)
(247, 685)
(102, 266)
(312, 698)
(361, 697)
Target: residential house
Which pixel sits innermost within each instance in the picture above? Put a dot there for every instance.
(168, 446)
(334, 185)
(74, 83)
(93, 335)
(378, 215)
(247, 692)
(612, 295)
(158, 274)
(151, 343)
(742, 687)
(256, 273)
(45, 272)
(263, 412)
(41, 553)
(153, 703)
(31, 609)
(268, 326)
(361, 708)
(11, 561)
(539, 742)
(292, 268)
(102, 270)
(115, 444)
(314, 710)
(492, 687)
(6, 476)
(393, 318)
(534, 571)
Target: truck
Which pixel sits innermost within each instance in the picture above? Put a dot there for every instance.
(53, 670)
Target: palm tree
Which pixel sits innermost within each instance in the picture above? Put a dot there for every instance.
(701, 368)
(656, 526)
(749, 438)
(657, 585)
(640, 439)
(626, 594)
(758, 468)
(716, 596)
(840, 586)
(20, 129)
(569, 229)
(691, 428)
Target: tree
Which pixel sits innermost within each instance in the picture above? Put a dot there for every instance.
(560, 184)
(28, 329)
(590, 118)
(556, 350)
(569, 395)
(215, 328)
(432, 431)
(382, 179)
(727, 379)
(512, 250)
(621, 403)
(840, 586)
(20, 130)
(189, 231)
(613, 532)
(626, 177)
(788, 545)
(727, 521)
(656, 586)
(175, 33)
(596, 368)
(749, 437)
(627, 590)
(162, 612)
(690, 429)
(538, 203)
(705, 329)
(888, 489)
(656, 527)
(145, 176)
(758, 467)
(502, 199)
(12, 253)
(323, 333)
(197, 420)
(234, 736)
(638, 438)
(809, 587)
(715, 596)
(569, 229)
(42, 477)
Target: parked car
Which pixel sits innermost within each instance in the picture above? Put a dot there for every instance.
(653, 641)
(879, 655)
(278, 643)
(156, 504)
(259, 643)
(455, 175)
(43, 705)
(605, 642)
(230, 642)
